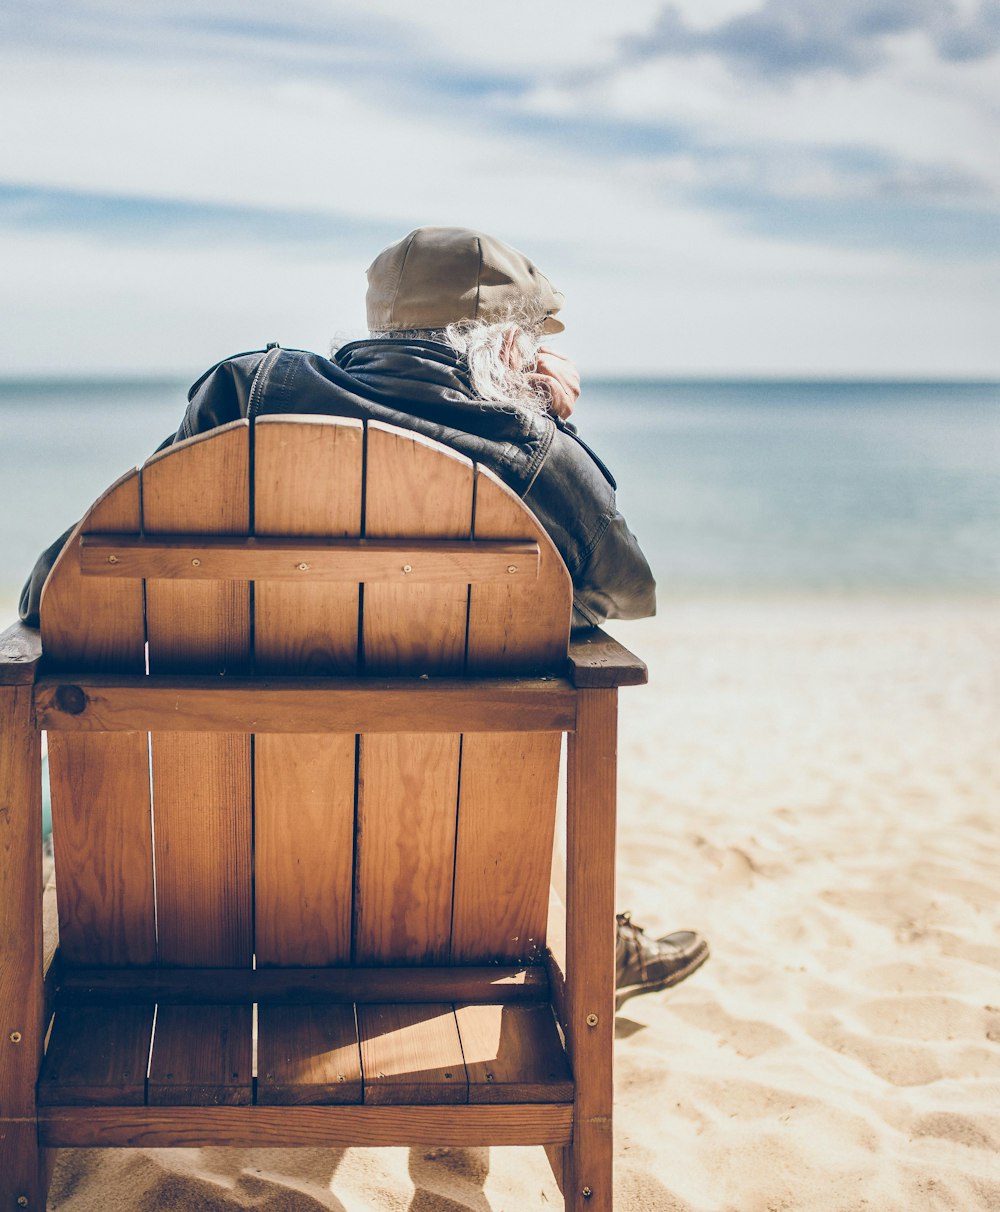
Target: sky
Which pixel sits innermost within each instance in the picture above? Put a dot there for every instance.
(719, 187)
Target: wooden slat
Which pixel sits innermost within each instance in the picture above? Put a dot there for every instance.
(103, 847)
(304, 848)
(304, 562)
(513, 1054)
(308, 478)
(411, 1054)
(590, 943)
(307, 1054)
(596, 660)
(20, 652)
(24, 1172)
(95, 624)
(164, 704)
(305, 985)
(100, 784)
(202, 1056)
(503, 857)
(417, 489)
(20, 903)
(202, 834)
(519, 626)
(321, 1127)
(199, 486)
(201, 784)
(408, 789)
(97, 1055)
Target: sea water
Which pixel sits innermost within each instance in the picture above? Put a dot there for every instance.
(730, 486)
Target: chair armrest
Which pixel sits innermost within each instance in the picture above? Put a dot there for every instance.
(596, 660)
(20, 652)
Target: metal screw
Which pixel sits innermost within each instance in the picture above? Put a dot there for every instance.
(512, 568)
(22, 1201)
(196, 563)
(15, 1037)
(303, 568)
(592, 1020)
(112, 559)
(586, 1193)
(407, 567)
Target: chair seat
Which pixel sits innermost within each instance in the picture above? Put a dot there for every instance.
(408, 1054)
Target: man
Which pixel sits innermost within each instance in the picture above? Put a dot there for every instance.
(457, 321)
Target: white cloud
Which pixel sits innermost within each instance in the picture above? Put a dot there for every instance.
(651, 194)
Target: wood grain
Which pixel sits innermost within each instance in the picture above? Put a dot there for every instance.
(590, 944)
(415, 489)
(503, 856)
(201, 784)
(100, 784)
(92, 624)
(513, 1054)
(304, 985)
(104, 847)
(202, 1056)
(304, 848)
(299, 562)
(20, 903)
(307, 478)
(202, 823)
(164, 704)
(411, 1054)
(97, 1055)
(520, 626)
(320, 1127)
(596, 660)
(407, 797)
(20, 653)
(307, 1055)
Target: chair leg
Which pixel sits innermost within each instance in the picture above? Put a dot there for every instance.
(590, 940)
(22, 1167)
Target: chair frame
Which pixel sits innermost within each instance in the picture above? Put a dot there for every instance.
(583, 704)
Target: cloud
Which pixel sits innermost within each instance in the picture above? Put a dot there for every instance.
(787, 38)
(123, 218)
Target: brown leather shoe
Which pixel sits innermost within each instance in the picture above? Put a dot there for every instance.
(643, 964)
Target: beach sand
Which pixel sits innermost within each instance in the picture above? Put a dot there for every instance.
(814, 785)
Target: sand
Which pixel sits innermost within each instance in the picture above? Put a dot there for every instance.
(813, 785)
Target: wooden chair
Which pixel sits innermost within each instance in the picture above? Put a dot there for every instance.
(304, 684)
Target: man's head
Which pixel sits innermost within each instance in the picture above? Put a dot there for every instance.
(437, 276)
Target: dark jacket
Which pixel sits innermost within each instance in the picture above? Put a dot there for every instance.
(424, 386)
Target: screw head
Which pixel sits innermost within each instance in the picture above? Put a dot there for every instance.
(512, 568)
(196, 563)
(15, 1037)
(112, 559)
(407, 567)
(592, 1020)
(22, 1201)
(303, 567)
(586, 1192)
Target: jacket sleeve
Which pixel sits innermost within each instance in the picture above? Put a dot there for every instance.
(573, 496)
(615, 581)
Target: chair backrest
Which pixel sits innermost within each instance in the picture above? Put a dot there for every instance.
(214, 849)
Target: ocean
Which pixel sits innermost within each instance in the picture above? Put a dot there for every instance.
(731, 486)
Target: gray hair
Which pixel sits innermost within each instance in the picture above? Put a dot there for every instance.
(480, 344)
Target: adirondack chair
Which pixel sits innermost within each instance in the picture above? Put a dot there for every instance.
(304, 684)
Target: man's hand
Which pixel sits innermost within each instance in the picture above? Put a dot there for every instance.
(558, 377)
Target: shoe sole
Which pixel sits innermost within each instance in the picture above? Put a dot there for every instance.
(675, 978)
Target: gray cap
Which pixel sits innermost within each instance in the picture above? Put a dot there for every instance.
(439, 275)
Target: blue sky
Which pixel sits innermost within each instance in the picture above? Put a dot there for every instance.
(718, 186)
